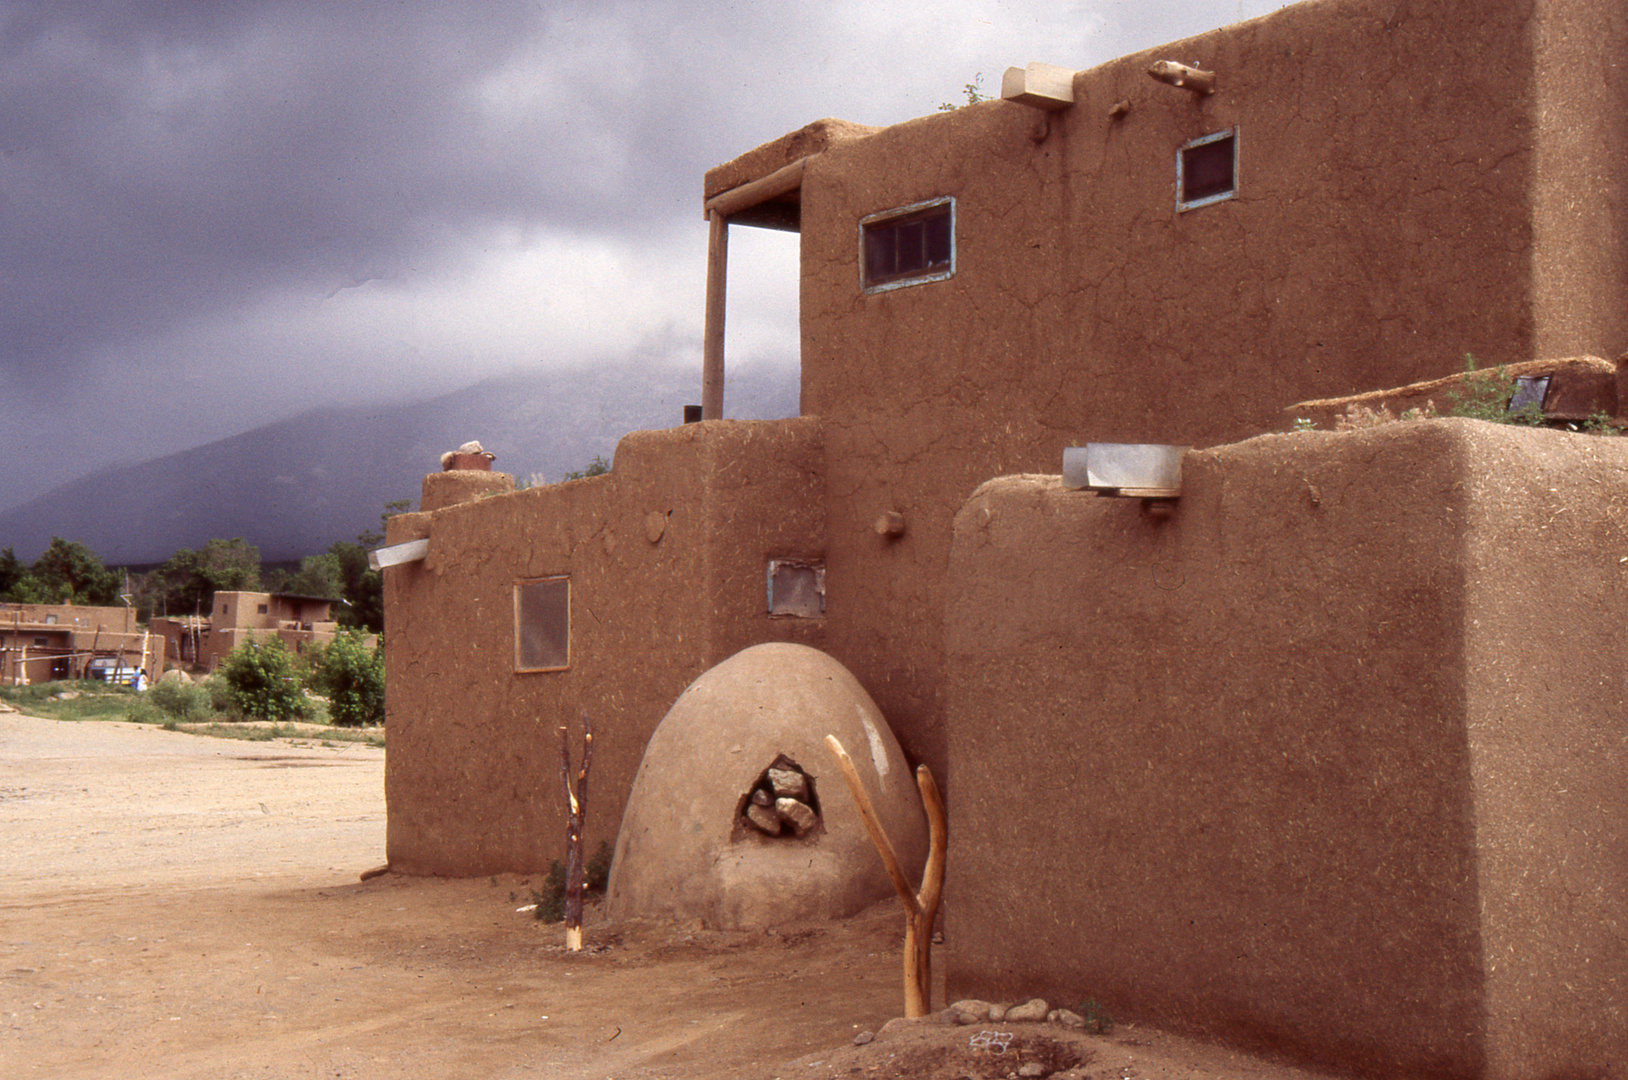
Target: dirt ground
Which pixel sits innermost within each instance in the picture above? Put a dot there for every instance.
(188, 907)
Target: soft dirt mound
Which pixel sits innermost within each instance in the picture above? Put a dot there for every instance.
(993, 1055)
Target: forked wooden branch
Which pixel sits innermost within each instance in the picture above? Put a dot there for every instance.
(576, 803)
(920, 908)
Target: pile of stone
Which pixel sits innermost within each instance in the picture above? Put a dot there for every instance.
(1033, 1011)
(782, 802)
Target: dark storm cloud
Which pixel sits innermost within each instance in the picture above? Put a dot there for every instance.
(189, 158)
(162, 166)
(182, 185)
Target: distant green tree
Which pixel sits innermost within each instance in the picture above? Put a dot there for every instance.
(68, 572)
(261, 680)
(371, 539)
(363, 586)
(147, 591)
(597, 467)
(12, 570)
(351, 676)
(360, 585)
(318, 575)
(29, 590)
(190, 579)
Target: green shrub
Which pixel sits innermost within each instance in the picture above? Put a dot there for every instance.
(260, 677)
(221, 702)
(179, 700)
(1097, 1020)
(351, 676)
(550, 900)
(89, 699)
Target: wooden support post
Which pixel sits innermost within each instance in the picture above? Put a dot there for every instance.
(920, 908)
(784, 179)
(576, 802)
(712, 339)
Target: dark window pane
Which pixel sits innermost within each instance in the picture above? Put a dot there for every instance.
(881, 249)
(542, 624)
(938, 240)
(909, 245)
(1207, 170)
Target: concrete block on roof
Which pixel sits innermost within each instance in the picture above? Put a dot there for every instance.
(1044, 86)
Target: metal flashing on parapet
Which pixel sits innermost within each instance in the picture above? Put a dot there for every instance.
(396, 554)
(1127, 470)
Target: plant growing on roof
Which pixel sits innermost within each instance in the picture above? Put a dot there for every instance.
(974, 91)
(597, 467)
(1485, 395)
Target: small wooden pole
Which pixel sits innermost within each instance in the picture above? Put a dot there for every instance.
(1187, 78)
(920, 908)
(785, 179)
(576, 801)
(712, 335)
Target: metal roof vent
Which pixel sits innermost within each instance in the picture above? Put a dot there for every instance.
(1129, 470)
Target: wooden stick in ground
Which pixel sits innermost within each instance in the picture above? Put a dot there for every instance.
(920, 908)
(576, 803)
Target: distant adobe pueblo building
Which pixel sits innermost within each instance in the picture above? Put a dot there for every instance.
(1331, 758)
(237, 617)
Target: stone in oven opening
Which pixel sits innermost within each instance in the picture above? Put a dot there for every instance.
(782, 802)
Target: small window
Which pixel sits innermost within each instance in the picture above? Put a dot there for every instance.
(50, 620)
(1530, 390)
(542, 624)
(40, 643)
(796, 588)
(1207, 170)
(261, 608)
(908, 246)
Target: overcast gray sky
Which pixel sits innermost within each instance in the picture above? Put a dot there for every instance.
(219, 213)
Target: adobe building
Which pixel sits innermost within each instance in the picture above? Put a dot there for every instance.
(236, 617)
(45, 642)
(1342, 196)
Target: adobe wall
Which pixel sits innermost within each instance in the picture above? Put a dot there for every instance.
(1382, 229)
(1580, 227)
(1547, 719)
(666, 556)
(1330, 762)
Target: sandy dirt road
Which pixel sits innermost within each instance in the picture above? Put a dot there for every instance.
(185, 907)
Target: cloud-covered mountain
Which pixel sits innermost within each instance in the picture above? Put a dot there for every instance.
(293, 487)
